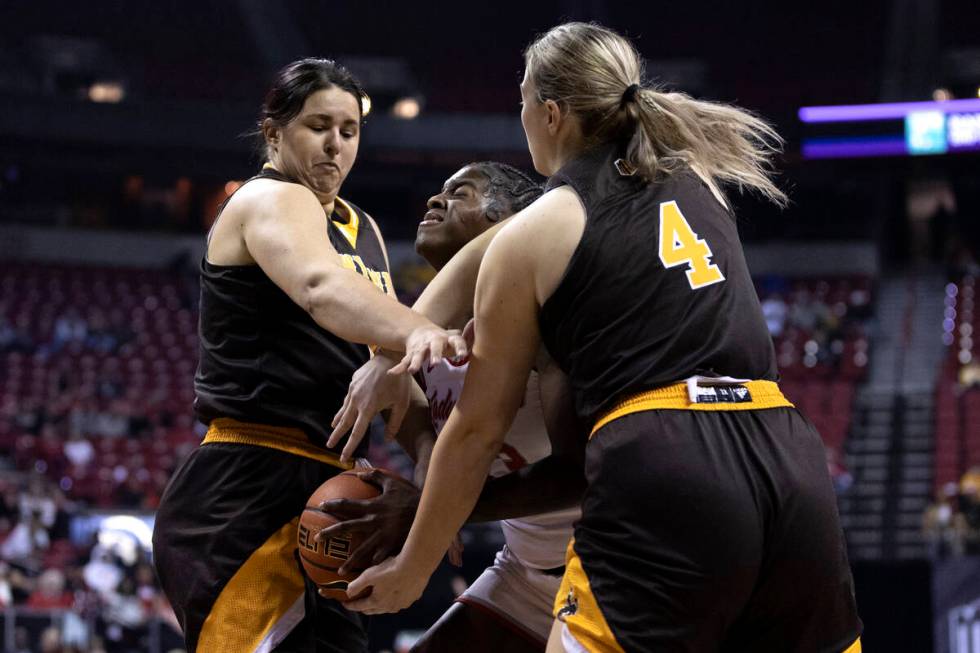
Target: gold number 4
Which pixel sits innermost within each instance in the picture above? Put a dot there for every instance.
(680, 245)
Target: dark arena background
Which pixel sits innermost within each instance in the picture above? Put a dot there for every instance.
(124, 125)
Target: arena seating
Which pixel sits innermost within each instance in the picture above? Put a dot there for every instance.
(137, 350)
(134, 357)
(821, 346)
(957, 427)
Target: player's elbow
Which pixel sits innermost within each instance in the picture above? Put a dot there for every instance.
(318, 294)
(484, 435)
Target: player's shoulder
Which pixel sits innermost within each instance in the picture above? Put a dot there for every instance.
(558, 204)
(555, 216)
(538, 242)
(272, 197)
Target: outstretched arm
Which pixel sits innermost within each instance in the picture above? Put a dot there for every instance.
(448, 302)
(285, 233)
(507, 341)
(554, 483)
(448, 299)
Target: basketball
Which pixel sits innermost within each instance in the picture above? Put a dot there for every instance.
(321, 560)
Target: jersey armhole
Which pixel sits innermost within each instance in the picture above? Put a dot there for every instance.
(576, 253)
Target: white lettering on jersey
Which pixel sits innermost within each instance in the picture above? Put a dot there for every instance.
(539, 541)
(526, 442)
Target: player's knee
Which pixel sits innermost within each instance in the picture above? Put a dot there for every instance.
(450, 633)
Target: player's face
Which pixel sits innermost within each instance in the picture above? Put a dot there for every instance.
(318, 147)
(534, 117)
(456, 216)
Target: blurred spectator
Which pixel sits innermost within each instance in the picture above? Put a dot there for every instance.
(860, 304)
(31, 416)
(970, 507)
(82, 417)
(37, 499)
(13, 338)
(26, 542)
(102, 337)
(102, 574)
(14, 581)
(146, 587)
(50, 592)
(969, 376)
(114, 422)
(842, 478)
(110, 384)
(184, 266)
(774, 310)
(943, 526)
(9, 508)
(803, 312)
(70, 327)
(124, 615)
(64, 510)
(6, 589)
(130, 493)
(78, 450)
(51, 640)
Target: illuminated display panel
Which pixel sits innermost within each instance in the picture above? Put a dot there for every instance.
(891, 129)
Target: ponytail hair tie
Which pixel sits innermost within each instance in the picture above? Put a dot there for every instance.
(629, 95)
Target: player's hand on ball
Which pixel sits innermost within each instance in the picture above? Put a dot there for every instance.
(393, 587)
(430, 344)
(383, 521)
(371, 390)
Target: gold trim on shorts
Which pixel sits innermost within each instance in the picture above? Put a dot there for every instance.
(577, 608)
(256, 598)
(765, 394)
(284, 438)
(855, 647)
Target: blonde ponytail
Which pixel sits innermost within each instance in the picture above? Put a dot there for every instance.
(587, 69)
(729, 145)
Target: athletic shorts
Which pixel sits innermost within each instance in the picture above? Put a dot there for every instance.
(520, 596)
(224, 545)
(708, 527)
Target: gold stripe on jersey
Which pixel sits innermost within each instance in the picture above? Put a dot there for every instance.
(350, 228)
(765, 394)
(282, 438)
(577, 608)
(380, 278)
(256, 598)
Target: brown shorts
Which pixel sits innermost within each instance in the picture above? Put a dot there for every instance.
(224, 546)
(709, 528)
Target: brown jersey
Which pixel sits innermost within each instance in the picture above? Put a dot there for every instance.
(263, 358)
(656, 291)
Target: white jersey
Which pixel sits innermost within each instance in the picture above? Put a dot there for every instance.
(539, 541)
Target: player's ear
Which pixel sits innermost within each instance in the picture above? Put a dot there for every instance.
(271, 132)
(555, 116)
